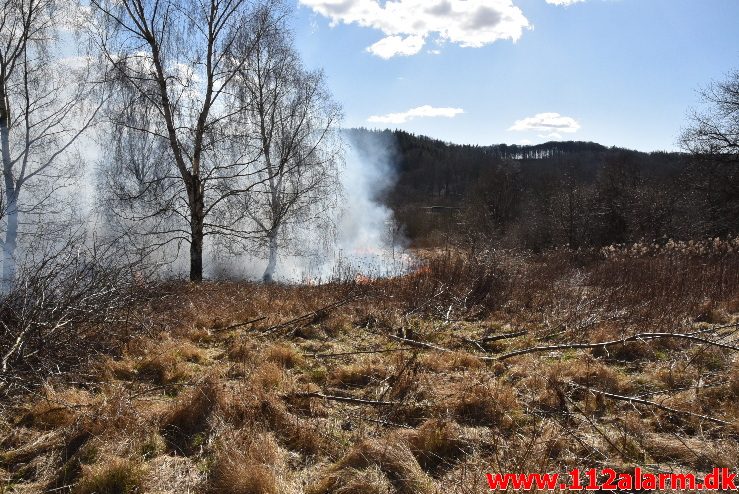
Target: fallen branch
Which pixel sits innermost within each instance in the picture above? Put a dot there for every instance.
(505, 336)
(386, 423)
(310, 315)
(697, 388)
(604, 344)
(346, 354)
(568, 346)
(474, 343)
(418, 344)
(155, 388)
(489, 339)
(641, 401)
(346, 399)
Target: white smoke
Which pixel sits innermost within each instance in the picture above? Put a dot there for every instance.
(358, 237)
(366, 241)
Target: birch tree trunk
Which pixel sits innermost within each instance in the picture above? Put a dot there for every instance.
(269, 273)
(11, 197)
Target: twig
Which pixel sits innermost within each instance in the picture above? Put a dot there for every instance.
(346, 399)
(474, 343)
(640, 336)
(309, 315)
(239, 325)
(505, 336)
(678, 390)
(418, 344)
(641, 401)
(358, 352)
(155, 388)
(427, 302)
(386, 423)
(596, 428)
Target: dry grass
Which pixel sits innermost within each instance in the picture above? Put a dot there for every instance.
(733, 383)
(187, 418)
(490, 404)
(285, 355)
(437, 443)
(393, 458)
(58, 409)
(359, 374)
(229, 478)
(174, 475)
(166, 361)
(241, 350)
(163, 360)
(113, 476)
(367, 481)
(450, 362)
(244, 463)
(268, 376)
(189, 406)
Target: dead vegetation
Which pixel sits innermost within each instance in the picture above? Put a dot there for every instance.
(398, 385)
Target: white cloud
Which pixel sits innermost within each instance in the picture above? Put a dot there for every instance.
(397, 45)
(552, 124)
(408, 24)
(425, 111)
(563, 2)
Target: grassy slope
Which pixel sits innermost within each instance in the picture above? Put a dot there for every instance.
(192, 406)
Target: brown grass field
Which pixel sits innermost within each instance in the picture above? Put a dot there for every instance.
(407, 385)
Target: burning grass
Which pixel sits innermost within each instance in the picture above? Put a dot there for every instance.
(397, 385)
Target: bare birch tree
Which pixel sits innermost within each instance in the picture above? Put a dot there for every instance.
(712, 139)
(43, 114)
(174, 164)
(714, 131)
(293, 121)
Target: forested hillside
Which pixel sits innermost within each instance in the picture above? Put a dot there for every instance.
(556, 193)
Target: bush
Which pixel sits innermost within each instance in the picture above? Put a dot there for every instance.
(56, 315)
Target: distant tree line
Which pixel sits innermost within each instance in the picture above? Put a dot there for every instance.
(579, 194)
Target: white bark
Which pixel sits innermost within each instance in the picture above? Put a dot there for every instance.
(269, 273)
(11, 212)
(9, 246)
(295, 124)
(42, 115)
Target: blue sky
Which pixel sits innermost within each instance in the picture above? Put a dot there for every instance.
(618, 72)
